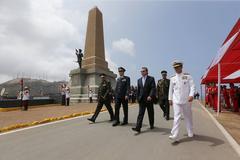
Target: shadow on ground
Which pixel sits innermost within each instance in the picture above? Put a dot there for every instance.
(164, 131)
(202, 138)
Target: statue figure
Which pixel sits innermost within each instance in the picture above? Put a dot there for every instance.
(79, 57)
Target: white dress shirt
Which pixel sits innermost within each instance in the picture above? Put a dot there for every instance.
(26, 95)
(67, 94)
(90, 94)
(144, 80)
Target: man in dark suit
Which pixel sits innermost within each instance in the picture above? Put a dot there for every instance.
(146, 94)
(121, 96)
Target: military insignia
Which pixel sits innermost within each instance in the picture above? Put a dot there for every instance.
(123, 80)
(184, 77)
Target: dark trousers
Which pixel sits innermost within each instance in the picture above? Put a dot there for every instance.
(99, 107)
(67, 101)
(25, 105)
(164, 104)
(124, 103)
(63, 100)
(133, 99)
(90, 99)
(142, 108)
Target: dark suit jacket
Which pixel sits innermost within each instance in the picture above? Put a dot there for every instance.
(149, 89)
(122, 87)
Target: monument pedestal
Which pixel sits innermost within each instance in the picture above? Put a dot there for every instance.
(82, 80)
(93, 64)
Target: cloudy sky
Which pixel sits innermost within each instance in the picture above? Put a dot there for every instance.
(38, 37)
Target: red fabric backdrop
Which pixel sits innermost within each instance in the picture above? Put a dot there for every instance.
(229, 59)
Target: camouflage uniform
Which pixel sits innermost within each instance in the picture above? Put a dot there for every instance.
(162, 91)
(104, 92)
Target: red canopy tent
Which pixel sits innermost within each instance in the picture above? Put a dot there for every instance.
(225, 68)
(228, 59)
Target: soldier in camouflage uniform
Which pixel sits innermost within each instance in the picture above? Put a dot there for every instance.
(104, 92)
(162, 91)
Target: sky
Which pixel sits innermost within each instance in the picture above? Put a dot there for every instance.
(38, 38)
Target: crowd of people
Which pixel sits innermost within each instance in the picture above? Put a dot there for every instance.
(229, 97)
(178, 92)
(133, 94)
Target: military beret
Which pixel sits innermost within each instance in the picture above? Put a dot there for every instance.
(121, 69)
(163, 72)
(102, 75)
(177, 63)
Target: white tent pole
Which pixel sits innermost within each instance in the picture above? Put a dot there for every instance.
(219, 88)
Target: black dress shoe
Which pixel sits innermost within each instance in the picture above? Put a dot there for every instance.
(124, 123)
(152, 127)
(136, 130)
(92, 120)
(115, 124)
(167, 118)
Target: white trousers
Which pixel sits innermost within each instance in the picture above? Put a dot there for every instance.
(186, 110)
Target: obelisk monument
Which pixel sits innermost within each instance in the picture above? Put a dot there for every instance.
(94, 63)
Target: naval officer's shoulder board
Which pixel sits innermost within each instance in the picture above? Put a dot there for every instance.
(173, 76)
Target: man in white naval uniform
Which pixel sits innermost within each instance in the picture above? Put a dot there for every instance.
(181, 92)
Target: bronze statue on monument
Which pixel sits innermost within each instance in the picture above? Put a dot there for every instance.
(79, 57)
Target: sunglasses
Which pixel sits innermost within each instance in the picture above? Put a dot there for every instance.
(143, 71)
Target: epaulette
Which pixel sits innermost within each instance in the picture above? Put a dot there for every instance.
(186, 73)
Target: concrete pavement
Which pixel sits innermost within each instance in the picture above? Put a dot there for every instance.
(76, 139)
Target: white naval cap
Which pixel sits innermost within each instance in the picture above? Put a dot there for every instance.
(177, 63)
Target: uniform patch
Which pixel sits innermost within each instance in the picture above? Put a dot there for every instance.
(184, 77)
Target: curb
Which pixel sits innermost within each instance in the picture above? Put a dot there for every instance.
(45, 120)
(9, 109)
(227, 135)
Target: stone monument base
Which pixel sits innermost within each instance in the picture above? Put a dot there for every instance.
(82, 80)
